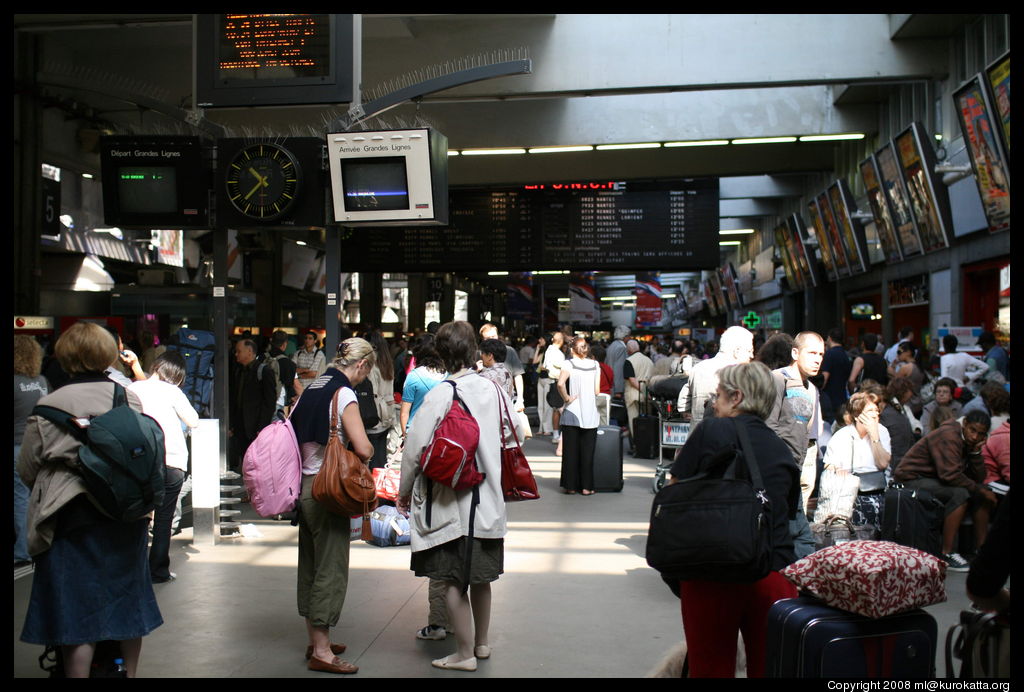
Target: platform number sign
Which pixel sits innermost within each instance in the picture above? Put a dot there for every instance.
(51, 207)
(751, 320)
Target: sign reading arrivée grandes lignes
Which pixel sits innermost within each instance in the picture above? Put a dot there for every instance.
(664, 224)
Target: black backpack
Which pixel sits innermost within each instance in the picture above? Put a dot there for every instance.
(121, 458)
(367, 405)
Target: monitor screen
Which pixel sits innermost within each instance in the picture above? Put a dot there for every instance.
(862, 311)
(375, 183)
(147, 189)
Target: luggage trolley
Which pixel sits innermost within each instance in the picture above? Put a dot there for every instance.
(673, 431)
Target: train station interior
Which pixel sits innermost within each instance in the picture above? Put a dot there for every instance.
(839, 170)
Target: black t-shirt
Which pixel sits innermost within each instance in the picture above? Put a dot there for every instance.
(715, 436)
(875, 368)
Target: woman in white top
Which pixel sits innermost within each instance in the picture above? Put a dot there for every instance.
(862, 447)
(324, 537)
(579, 384)
(163, 399)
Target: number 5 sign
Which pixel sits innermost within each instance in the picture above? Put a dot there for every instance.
(51, 207)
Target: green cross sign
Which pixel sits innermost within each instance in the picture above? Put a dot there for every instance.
(751, 320)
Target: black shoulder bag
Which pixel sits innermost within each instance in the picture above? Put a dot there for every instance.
(715, 526)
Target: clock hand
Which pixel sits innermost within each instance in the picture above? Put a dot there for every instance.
(260, 182)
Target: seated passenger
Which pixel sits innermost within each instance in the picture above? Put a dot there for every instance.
(948, 463)
(944, 389)
(996, 453)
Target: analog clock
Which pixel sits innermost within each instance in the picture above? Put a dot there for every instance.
(263, 181)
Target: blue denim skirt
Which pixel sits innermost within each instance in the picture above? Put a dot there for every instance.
(93, 583)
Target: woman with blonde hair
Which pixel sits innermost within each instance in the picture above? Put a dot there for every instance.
(29, 387)
(862, 447)
(714, 612)
(91, 579)
(324, 537)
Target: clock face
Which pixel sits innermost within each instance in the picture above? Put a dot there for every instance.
(263, 181)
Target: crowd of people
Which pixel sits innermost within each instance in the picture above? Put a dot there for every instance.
(815, 409)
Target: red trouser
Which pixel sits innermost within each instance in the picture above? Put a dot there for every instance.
(713, 612)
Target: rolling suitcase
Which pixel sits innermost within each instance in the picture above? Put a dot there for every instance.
(808, 639)
(645, 436)
(608, 459)
(913, 518)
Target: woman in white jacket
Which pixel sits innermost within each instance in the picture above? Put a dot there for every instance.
(439, 545)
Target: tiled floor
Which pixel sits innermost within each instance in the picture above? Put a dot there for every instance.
(577, 598)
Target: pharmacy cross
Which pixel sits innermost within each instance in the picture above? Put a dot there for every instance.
(751, 320)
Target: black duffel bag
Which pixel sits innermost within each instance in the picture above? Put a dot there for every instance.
(715, 526)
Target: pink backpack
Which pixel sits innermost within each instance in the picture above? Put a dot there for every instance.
(272, 469)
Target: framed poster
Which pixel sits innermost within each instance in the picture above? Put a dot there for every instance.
(709, 297)
(793, 277)
(799, 250)
(718, 292)
(730, 280)
(880, 210)
(899, 202)
(999, 82)
(828, 218)
(929, 199)
(852, 234)
(818, 228)
(984, 145)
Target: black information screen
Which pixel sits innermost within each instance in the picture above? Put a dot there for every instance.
(665, 224)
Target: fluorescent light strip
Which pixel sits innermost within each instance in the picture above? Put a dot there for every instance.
(831, 138)
(558, 150)
(617, 297)
(638, 145)
(453, 152)
(738, 231)
(764, 140)
(555, 271)
(730, 242)
(497, 273)
(701, 143)
(489, 152)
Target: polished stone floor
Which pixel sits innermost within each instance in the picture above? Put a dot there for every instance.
(577, 599)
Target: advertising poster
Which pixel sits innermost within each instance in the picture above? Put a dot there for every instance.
(709, 296)
(583, 305)
(171, 247)
(999, 81)
(718, 293)
(731, 287)
(923, 203)
(798, 250)
(892, 183)
(818, 229)
(991, 171)
(842, 207)
(880, 210)
(519, 293)
(792, 275)
(648, 299)
(835, 242)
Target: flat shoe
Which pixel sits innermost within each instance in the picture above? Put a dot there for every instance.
(482, 651)
(335, 666)
(468, 665)
(335, 649)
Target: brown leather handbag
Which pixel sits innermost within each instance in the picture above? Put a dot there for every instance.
(344, 484)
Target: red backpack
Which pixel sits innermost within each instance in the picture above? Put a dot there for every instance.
(450, 457)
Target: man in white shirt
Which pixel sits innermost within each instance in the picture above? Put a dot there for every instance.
(736, 346)
(960, 367)
(906, 334)
(310, 362)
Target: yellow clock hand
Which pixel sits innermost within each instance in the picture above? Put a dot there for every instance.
(260, 182)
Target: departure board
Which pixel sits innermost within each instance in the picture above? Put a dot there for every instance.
(666, 224)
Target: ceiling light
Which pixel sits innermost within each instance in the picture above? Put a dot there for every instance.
(737, 231)
(831, 138)
(489, 152)
(616, 297)
(453, 152)
(638, 145)
(555, 271)
(729, 242)
(497, 273)
(700, 143)
(300, 242)
(764, 140)
(557, 150)
(87, 176)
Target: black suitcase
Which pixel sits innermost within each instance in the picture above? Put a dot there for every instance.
(645, 437)
(617, 412)
(913, 518)
(808, 639)
(608, 459)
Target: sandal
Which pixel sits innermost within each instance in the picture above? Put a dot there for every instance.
(468, 665)
(335, 666)
(586, 492)
(482, 651)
